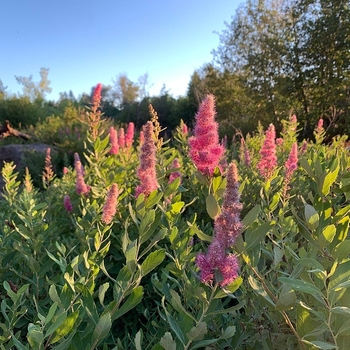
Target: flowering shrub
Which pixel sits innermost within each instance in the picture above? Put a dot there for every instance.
(154, 246)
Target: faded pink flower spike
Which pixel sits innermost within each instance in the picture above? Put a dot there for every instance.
(228, 224)
(113, 140)
(48, 171)
(147, 169)
(129, 137)
(142, 137)
(68, 204)
(227, 227)
(320, 125)
(110, 207)
(121, 137)
(205, 149)
(268, 160)
(175, 174)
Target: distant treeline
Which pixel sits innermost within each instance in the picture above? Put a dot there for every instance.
(275, 58)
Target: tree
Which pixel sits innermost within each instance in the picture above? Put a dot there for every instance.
(124, 91)
(35, 91)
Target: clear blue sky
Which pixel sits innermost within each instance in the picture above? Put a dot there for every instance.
(86, 42)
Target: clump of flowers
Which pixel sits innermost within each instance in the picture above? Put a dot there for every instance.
(175, 174)
(205, 149)
(110, 207)
(268, 160)
(147, 169)
(113, 140)
(217, 264)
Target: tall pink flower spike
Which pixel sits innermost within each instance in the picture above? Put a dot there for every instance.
(205, 148)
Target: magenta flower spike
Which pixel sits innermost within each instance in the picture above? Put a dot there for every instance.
(110, 207)
(129, 137)
(227, 227)
(320, 126)
(67, 204)
(268, 160)
(147, 169)
(113, 140)
(205, 149)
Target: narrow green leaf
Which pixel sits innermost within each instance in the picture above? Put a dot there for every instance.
(320, 344)
(255, 237)
(301, 286)
(203, 343)
(102, 328)
(57, 323)
(102, 291)
(251, 216)
(177, 305)
(51, 313)
(212, 206)
(152, 261)
(312, 217)
(134, 298)
(65, 327)
(341, 310)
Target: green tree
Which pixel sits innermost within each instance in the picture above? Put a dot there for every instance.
(35, 90)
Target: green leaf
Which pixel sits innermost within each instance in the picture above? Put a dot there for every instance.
(312, 217)
(327, 236)
(167, 341)
(18, 344)
(341, 251)
(51, 313)
(66, 326)
(202, 344)
(231, 288)
(251, 216)
(301, 286)
(102, 291)
(200, 234)
(177, 305)
(102, 328)
(134, 298)
(229, 332)
(138, 340)
(330, 177)
(255, 237)
(173, 324)
(259, 290)
(341, 310)
(198, 332)
(147, 222)
(212, 206)
(152, 261)
(286, 299)
(35, 336)
(320, 344)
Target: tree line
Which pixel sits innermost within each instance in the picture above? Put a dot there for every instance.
(275, 58)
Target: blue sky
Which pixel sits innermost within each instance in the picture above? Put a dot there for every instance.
(86, 42)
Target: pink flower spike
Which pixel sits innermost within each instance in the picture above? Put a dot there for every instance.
(268, 158)
(292, 162)
(110, 207)
(96, 96)
(129, 137)
(147, 169)
(205, 149)
(68, 204)
(121, 137)
(113, 140)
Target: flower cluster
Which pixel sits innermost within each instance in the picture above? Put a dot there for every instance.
(147, 169)
(80, 185)
(129, 137)
(217, 264)
(205, 149)
(48, 173)
(268, 160)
